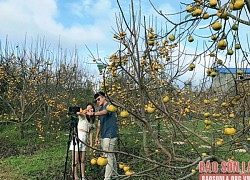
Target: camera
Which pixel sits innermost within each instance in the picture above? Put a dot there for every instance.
(72, 113)
(74, 109)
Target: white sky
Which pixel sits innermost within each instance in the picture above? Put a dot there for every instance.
(75, 22)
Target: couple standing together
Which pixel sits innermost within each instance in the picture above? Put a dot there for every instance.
(106, 127)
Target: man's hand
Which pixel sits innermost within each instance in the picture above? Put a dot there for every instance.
(97, 142)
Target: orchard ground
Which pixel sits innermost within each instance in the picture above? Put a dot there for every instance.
(33, 158)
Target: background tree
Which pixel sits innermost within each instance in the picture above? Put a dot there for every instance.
(182, 126)
(38, 88)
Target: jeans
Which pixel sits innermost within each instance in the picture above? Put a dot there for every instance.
(108, 145)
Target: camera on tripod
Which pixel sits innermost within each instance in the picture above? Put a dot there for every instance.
(72, 112)
(74, 109)
(73, 135)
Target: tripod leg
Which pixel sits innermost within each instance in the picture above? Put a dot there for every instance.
(74, 164)
(67, 155)
(73, 137)
(76, 160)
(79, 152)
(75, 142)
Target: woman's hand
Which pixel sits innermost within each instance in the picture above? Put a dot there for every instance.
(82, 111)
(90, 113)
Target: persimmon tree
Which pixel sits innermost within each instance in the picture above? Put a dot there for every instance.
(37, 87)
(143, 77)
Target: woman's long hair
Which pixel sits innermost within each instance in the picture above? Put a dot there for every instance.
(91, 119)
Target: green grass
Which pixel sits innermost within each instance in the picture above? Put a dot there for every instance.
(224, 152)
(34, 157)
(46, 160)
(38, 161)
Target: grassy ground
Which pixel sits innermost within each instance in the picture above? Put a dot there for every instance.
(31, 158)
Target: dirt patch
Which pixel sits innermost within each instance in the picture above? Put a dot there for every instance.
(7, 150)
(7, 173)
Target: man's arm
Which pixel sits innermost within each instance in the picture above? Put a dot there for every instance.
(100, 113)
(91, 137)
(98, 132)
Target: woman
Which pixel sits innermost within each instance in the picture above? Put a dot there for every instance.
(85, 128)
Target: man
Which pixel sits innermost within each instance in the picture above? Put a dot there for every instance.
(109, 132)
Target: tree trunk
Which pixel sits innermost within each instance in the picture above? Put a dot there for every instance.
(144, 141)
(21, 130)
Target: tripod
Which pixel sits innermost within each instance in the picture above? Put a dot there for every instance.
(73, 137)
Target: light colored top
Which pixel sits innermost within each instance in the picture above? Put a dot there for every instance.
(83, 123)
